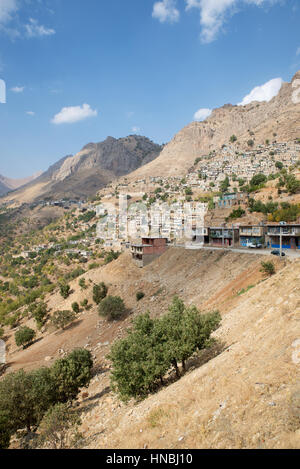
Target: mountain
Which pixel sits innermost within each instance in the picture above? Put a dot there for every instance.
(3, 187)
(278, 119)
(7, 184)
(92, 168)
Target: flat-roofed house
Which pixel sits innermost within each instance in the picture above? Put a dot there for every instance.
(289, 234)
(149, 249)
(252, 234)
(223, 236)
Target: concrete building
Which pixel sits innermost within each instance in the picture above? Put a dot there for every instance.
(223, 236)
(285, 235)
(148, 250)
(252, 234)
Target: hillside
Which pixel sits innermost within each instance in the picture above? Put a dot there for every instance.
(89, 170)
(245, 397)
(241, 394)
(279, 119)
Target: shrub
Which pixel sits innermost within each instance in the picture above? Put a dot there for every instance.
(24, 336)
(75, 308)
(99, 292)
(237, 213)
(268, 268)
(140, 295)
(233, 138)
(82, 284)
(111, 256)
(65, 291)
(112, 308)
(61, 319)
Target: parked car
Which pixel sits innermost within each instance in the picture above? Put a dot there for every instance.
(277, 253)
(254, 246)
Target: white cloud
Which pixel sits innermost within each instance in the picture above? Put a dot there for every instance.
(34, 29)
(18, 89)
(7, 8)
(166, 11)
(264, 92)
(202, 114)
(72, 114)
(30, 113)
(136, 130)
(214, 13)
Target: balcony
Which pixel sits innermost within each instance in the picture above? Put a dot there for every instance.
(284, 231)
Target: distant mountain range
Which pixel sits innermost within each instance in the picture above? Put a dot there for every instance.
(92, 168)
(97, 164)
(7, 184)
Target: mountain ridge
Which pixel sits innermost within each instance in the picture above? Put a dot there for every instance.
(94, 166)
(266, 120)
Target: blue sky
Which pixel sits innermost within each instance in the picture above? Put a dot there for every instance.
(77, 71)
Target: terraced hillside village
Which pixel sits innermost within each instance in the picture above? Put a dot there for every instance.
(197, 349)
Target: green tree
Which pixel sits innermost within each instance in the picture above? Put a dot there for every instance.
(58, 426)
(152, 346)
(112, 307)
(4, 431)
(292, 184)
(139, 360)
(99, 292)
(25, 397)
(39, 312)
(24, 336)
(258, 179)
(62, 319)
(224, 186)
(187, 331)
(72, 373)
